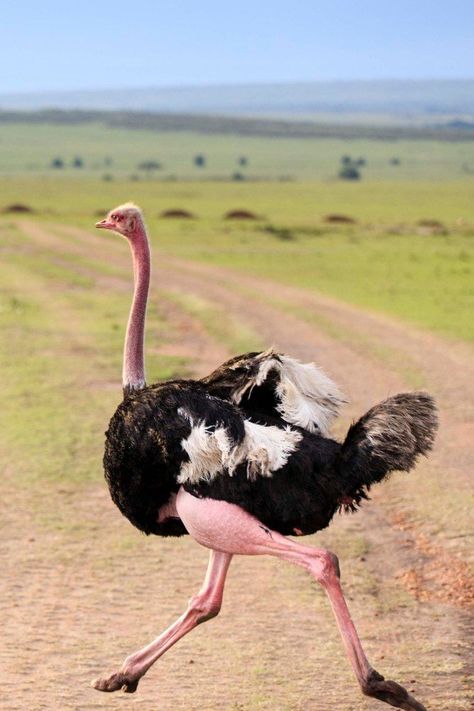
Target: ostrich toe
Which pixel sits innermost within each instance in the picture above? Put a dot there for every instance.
(115, 682)
(390, 692)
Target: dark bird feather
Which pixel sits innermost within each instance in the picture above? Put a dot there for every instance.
(150, 437)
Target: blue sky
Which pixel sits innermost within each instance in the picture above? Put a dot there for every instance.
(54, 44)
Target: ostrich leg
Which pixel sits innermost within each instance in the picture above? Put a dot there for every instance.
(202, 607)
(226, 527)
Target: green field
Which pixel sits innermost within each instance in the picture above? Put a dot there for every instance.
(115, 153)
(385, 261)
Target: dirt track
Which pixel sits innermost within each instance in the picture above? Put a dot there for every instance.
(74, 608)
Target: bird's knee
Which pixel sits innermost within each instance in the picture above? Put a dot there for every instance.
(204, 608)
(326, 566)
(333, 564)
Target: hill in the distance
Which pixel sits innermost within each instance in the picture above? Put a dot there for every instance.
(430, 101)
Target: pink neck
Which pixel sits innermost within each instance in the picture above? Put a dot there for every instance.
(133, 376)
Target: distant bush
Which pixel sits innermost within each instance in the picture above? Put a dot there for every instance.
(240, 215)
(17, 208)
(177, 213)
(107, 177)
(395, 161)
(349, 172)
(149, 166)
(199, 160)
(349, 169)
(77, 162)
(243, 161)
(238, 176)
(338, 219)
(57, 163)
(283, 233)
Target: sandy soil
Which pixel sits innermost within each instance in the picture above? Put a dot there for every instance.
(75, 605)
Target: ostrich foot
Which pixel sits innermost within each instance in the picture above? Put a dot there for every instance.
(115, 682)
(389, 691)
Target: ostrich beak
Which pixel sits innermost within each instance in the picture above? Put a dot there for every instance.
(105, 224)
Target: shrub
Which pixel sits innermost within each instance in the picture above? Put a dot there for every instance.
(349, 169)
(349, 172)
(149, 166)
(57, 163)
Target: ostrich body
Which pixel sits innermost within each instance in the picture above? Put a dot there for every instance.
(240, 460)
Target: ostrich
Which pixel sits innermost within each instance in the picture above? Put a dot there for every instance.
(240, 460)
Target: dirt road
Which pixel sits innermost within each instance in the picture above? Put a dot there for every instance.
(75, 605)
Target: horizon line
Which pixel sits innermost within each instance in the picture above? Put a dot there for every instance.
(232, 84)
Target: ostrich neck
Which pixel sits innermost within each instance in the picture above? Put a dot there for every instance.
(133, 377)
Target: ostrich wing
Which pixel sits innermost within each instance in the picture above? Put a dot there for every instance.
(225, 442)
(276, 385)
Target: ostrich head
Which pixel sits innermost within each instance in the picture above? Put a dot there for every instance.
(125, 219)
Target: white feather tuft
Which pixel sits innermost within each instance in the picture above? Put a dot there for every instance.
(267, 448)
(308, 397)
(206, 450)
(264, 449)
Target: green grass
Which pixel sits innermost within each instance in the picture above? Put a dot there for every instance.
(222, 328)
(423, 279)
(290, 204)
(428, 281)
(30, 148)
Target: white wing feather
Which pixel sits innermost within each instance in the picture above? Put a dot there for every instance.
(307, 397)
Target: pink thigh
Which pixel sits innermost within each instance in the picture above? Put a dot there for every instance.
(224, 527)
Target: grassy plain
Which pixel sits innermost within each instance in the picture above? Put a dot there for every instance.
(381, 263)
(116, 152)
(62, 314)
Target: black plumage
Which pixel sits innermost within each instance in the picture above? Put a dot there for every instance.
(144, 452)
